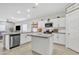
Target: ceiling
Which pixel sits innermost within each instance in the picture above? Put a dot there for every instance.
(18, 11)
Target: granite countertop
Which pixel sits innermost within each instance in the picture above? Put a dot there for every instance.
(34, 34)
(60, 32)
(8, 33)
(40, 35)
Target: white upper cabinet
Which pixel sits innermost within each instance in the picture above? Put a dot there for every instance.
(55, 23)
(61, 22)
(58, 22)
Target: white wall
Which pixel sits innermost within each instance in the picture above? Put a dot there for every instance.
(45, 18)
(26, 22)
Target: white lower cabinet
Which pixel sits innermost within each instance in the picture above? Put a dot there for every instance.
(24, 38)
(6, 42)
(55, 38)
(59, 38)
(29, 38)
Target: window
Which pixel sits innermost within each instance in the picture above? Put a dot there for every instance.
(24, 27)
(2, 27)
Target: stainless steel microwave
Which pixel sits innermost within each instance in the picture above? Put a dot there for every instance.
(48, 24)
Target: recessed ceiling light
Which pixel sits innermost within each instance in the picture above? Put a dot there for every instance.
(12, 18)
(28, 10)
(28, 15)
(22, 19)
(36, 4)
(18, 12)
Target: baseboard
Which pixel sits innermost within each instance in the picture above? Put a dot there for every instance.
(36, 52)
(26, 43)
(59, 44)
(73, 50)
(14, 46)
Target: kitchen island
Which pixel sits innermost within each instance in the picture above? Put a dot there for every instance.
(11, 39)
(14, 39)
(42, 43)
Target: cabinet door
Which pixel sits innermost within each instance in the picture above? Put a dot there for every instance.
(61, 22)
(25, 38)
(29, 38)
(61, 39)
(55, 23)
(73, 29)
(55, 38)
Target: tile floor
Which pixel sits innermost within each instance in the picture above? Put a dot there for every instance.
(26, 49)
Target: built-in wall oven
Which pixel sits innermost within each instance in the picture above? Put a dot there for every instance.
(14, 40)
(48, 28)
